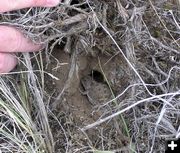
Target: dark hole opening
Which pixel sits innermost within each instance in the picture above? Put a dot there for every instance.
(75, 2)
(82, 6)
(97, 76)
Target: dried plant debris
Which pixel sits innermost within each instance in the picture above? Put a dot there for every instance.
(134, 44)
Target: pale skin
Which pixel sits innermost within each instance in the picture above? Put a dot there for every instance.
(12, 40)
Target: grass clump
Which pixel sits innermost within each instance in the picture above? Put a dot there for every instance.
(144, 33)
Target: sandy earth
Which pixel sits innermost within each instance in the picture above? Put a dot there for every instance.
(68, 95)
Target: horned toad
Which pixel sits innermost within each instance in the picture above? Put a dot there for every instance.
(96, 92)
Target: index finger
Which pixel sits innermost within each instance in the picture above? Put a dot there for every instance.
(9, 5)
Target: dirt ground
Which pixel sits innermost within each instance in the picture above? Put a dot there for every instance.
(72, 100)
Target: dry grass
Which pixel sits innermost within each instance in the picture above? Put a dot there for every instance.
(146, 33)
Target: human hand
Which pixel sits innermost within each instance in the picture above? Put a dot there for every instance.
(12, 40)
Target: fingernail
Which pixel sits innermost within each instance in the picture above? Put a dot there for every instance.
(52, 2)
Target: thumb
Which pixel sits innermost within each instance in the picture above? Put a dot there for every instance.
(9, 5)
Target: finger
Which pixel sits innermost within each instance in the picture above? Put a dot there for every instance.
(9, 5)
(12, 40)
(7, 62)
